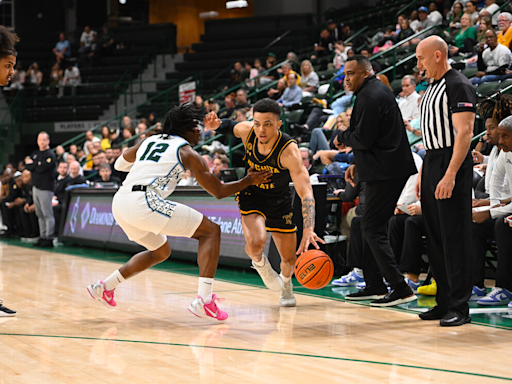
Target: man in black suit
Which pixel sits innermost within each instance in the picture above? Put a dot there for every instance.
(383, 160)
(59, 197)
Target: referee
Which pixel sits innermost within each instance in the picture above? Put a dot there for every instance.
(447, 113)
(42, 165)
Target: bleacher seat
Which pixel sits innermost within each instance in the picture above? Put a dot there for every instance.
(487, 89)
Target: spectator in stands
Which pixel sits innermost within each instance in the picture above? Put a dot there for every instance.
(253, 72)
(287, 69)
(105, 172)
(408, 104)
(334, 30)
(71, 79)
(493, 61)
(17, 80)
(212, 106)
(483, 26)
(490, 224)
(273, 74)
(151, 119)
(89, 140)
(375, 65)
(86, 40)
(115, 139)
(345, 32)
(75, 172)
(454, 18)
(80, 154)
(424, 21)
(466, 37)
(414, 22)
(340, 54)
(241, 100)
(93, 57)
(107, 41)
(318, 142)
(293, 94)
(62, 50)
(404, 32)
(73, 150)
(505, 34)
(307, 162)
(128, 133)
(60, 154)
(309, 80)
(277, 93)
(230, 106)
(188, 179)
(491, 7)
(42, 165)
(325, 45)
(27, 211)
(435, 15)
(386, 42)
(219, 162)
(242, 72)
(105, 137)
(142, 128)
(472, 11)
(70, 158)
(34, 76)
(127, 122)
(109, 154)
(258, 66)
(56, 76)
(294, 60)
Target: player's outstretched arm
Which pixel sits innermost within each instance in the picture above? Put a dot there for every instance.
(226, 126)
(191, 160)
(292, 160)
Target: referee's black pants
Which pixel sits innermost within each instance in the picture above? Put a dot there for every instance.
(378, 257)
(448, 230)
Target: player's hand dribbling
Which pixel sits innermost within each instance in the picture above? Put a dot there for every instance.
(258, 177)
(211, 122)
(350, 174)
(308, 237)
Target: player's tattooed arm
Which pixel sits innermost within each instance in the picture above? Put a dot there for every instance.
(308, 212)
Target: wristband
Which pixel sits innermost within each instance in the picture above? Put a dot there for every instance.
(226, 127)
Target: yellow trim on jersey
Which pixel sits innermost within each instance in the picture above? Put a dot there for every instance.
(247, 142)
(271, 152)
(281, 151)
(281, 230)
(253, 211)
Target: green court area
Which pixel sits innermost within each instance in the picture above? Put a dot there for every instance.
(498, 317)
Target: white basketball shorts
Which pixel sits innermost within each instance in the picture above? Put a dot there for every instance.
(147, 219)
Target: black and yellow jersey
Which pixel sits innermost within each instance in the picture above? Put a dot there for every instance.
(278, 186)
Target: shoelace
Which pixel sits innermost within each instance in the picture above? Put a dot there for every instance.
(495, 291)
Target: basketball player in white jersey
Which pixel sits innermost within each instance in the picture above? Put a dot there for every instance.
(140, 207)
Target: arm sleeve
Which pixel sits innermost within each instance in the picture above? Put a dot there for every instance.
(351, 192)
(365, 131)
(407, 196)
(461, 97)
(122, 165)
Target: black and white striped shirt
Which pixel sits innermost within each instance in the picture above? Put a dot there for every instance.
(450, 94)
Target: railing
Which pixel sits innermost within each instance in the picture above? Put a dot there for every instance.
(366, 27)
(505, 4)
(163, 94)
(276, 40)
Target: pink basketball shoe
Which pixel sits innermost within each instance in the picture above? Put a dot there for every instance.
(98, 292)
(208, 311)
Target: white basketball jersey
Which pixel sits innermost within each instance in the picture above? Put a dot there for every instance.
(157, 164)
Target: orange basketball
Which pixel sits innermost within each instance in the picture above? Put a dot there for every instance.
(314, 269)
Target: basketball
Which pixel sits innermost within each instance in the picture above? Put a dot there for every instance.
(314, 269)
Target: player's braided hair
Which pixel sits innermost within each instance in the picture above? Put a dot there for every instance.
(7, 41)
(496, 108)
(181, 119)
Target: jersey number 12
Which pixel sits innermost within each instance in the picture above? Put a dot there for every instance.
(156, 154)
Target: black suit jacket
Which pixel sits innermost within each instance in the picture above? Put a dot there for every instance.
(377, 135)
(60, 188)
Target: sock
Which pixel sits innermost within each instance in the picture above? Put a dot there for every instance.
(260, 263)
(205, 289)
(358, 271)
(284, 278)
(113, 281)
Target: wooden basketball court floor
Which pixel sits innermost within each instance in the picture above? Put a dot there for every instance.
(62, 336)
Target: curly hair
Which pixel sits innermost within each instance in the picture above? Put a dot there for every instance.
(8, 40)
(496, 108)
(181, 119)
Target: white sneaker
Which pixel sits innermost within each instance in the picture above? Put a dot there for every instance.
(286, 296)
(270, 277)
(98, 292)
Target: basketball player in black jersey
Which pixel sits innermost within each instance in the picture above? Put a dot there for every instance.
(268, 207)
